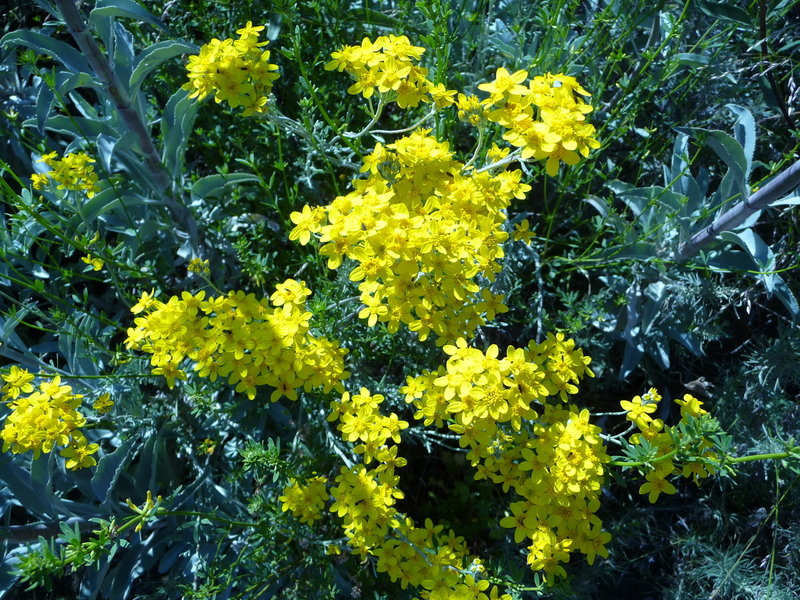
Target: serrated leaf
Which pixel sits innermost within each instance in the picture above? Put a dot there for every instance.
(44, 104)
(744, 130)
(177, 123)
(122, 62)
(42, 44)
(786, 296)
(124, 8)
(88, 127)
(110, 467)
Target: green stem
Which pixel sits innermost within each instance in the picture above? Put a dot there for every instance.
(312, 92)
(194, 513)
(794, 452)
(637, 463)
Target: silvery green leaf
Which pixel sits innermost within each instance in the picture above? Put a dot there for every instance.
(599, 204)
(214, 185)
(177, 123)
(760, 252)
(733, 154)
(656, 296)
(728, 261)
(122, 62)
(153, 57)
(786, 296)
(124, 8)
(69, 125)
(110, 467)
(67, 55)
(106, 145)
(744, 130)
(17, 480)
(687, 340)
(44, 104)
(7, 326)
(631, 358)
(66, 81)
(788, 201)
(127, 569)
(84, 107)
(660, 350)
(750, 241)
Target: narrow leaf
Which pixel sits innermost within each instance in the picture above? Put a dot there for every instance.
(42, 44)
(110, 467)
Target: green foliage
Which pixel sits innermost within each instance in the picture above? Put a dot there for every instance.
(693, 105)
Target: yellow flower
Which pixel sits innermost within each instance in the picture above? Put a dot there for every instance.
(690, 406)
(93, 261)
(522, 232)
(73, 172)
(656, 485)
(198, 265)
(103, 403)
(17, 381)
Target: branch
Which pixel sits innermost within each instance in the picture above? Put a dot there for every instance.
(122, 101)
(94, 56)
(782, 184)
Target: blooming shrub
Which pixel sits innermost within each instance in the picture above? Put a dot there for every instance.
(419, 230)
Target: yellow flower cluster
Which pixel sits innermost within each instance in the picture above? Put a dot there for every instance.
(103, 404)
(44, 418)
(663, 439)
(198, 265)
(421, 233)
(545, 118)
(306, 501)
(73, 172)
(422, 557)
(388, 66)
(239, 337)
(360, 421)
(553, 461)
(234, 71)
